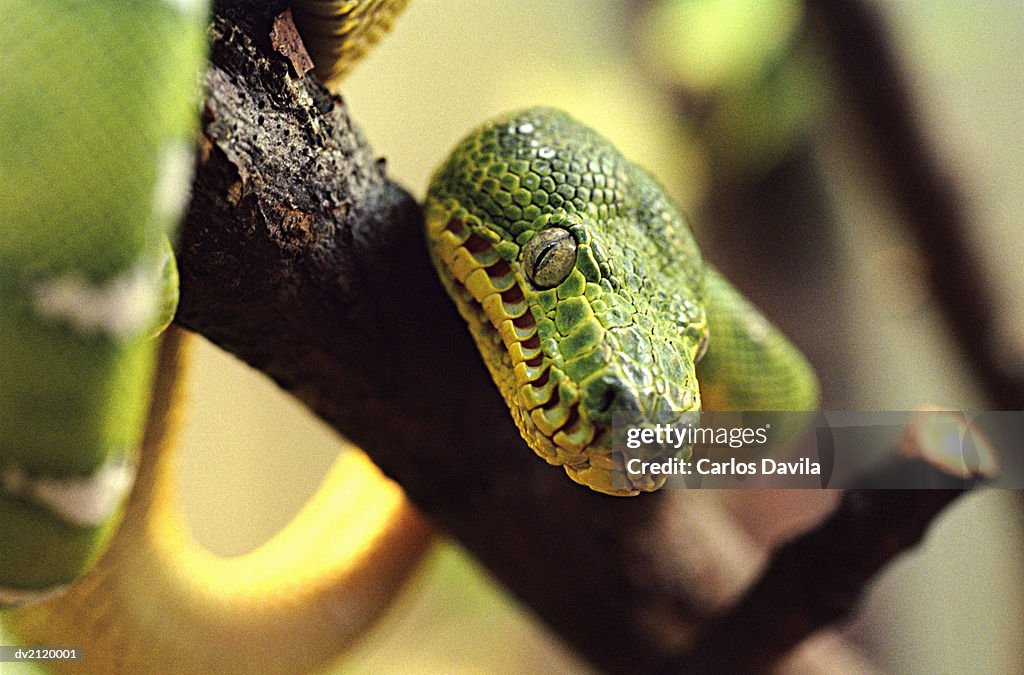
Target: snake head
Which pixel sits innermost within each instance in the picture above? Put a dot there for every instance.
(580, 282)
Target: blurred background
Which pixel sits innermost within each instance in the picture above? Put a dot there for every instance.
(733, 105)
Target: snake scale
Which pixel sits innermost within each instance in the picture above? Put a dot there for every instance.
(580, 281)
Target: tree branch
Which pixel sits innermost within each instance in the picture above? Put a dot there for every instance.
(303, 259)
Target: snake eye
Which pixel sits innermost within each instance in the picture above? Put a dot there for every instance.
(549, 257)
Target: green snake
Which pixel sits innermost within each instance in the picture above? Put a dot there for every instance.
(586, 293)
(580, 281)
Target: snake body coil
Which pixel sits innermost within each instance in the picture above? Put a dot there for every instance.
(98, 110)
(95, 173)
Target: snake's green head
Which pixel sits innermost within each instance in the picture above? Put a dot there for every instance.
(580, 281)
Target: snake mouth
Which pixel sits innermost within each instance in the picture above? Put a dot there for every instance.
(490, 296)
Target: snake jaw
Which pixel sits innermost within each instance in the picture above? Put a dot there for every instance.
(489, 291)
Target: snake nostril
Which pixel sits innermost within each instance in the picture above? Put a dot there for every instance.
(611, 395)
(607, 399)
